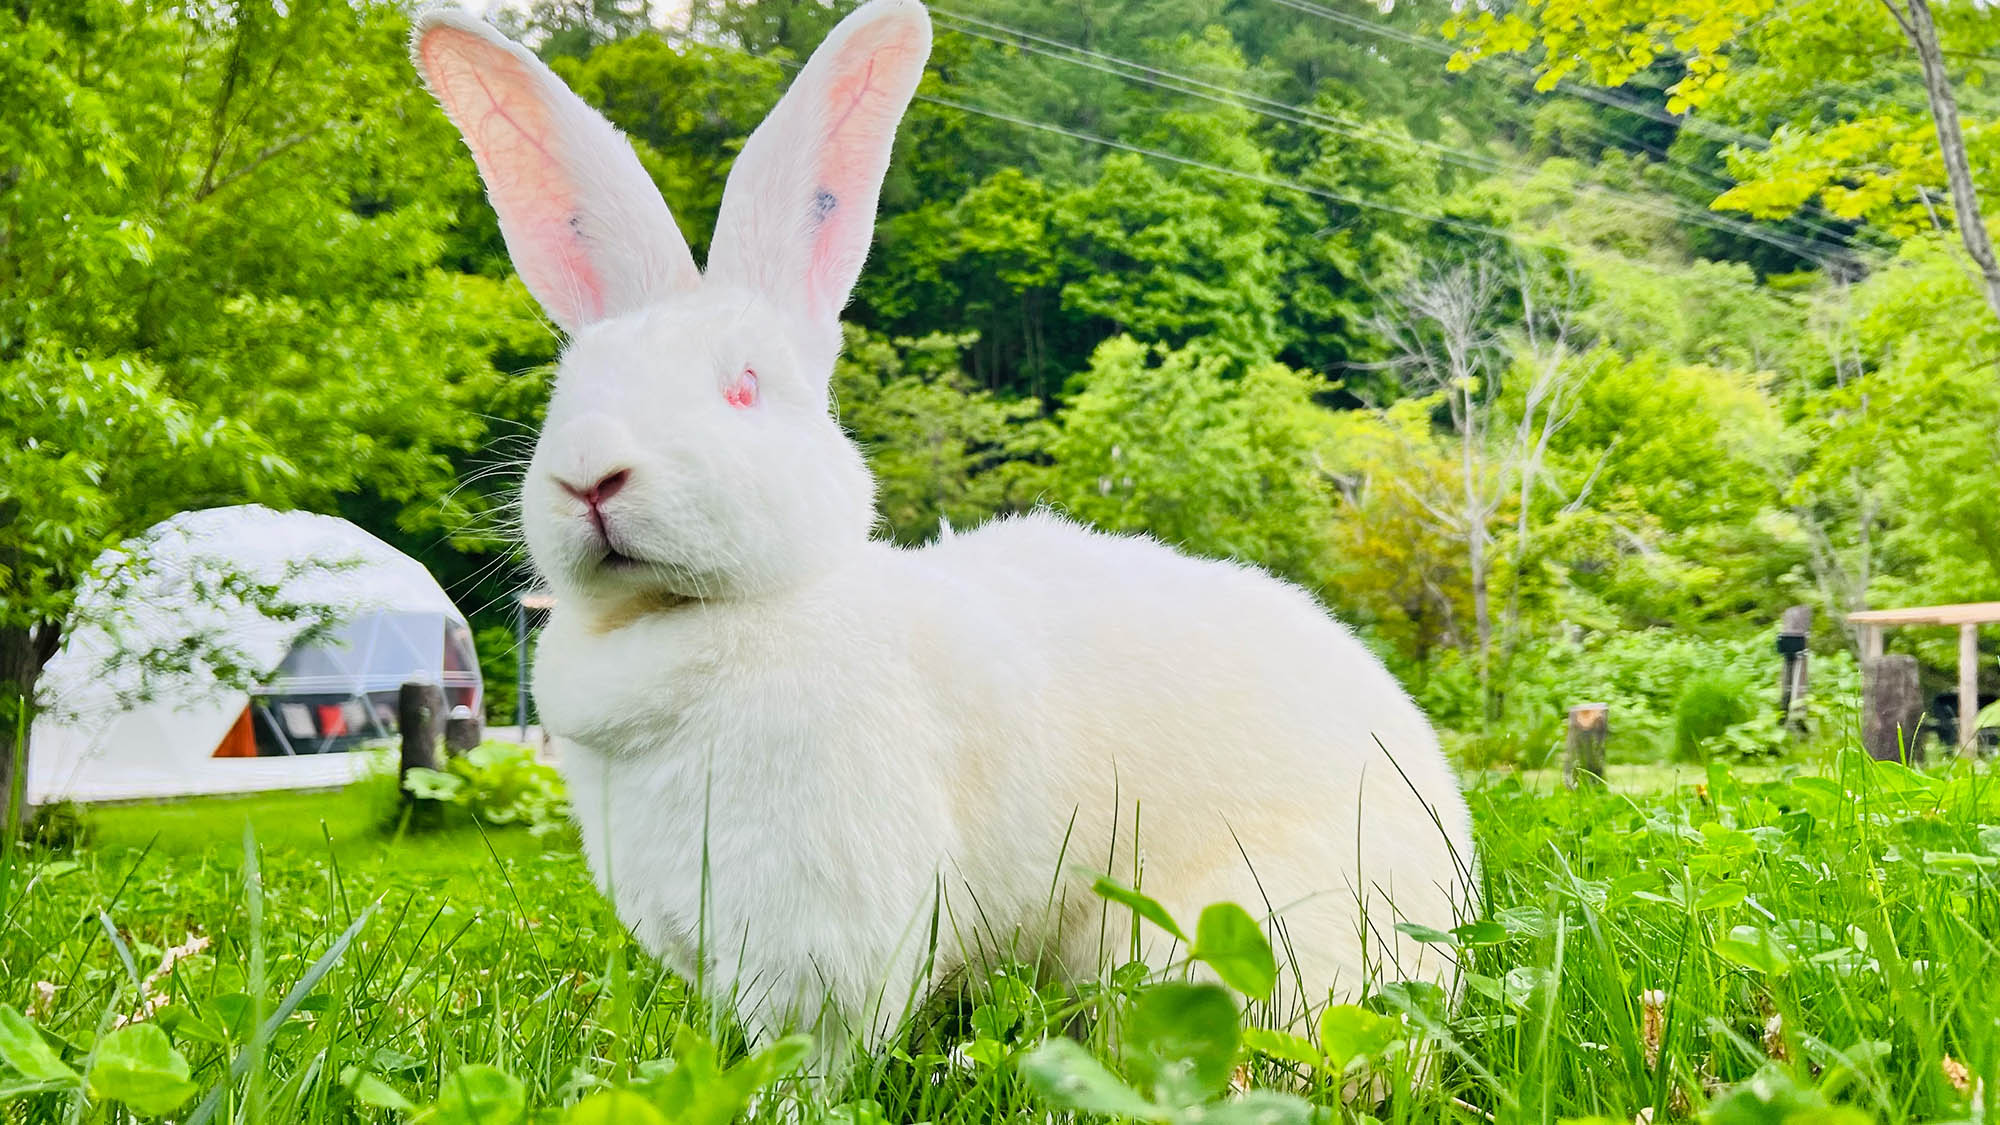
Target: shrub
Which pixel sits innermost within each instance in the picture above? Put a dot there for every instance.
(1709, 704)
(499, 783)
(1645, 677)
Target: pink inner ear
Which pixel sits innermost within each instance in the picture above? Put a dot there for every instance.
(742, 394)
(861, 114)
(498, 105)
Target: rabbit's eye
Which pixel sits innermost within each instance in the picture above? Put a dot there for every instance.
(742, 394)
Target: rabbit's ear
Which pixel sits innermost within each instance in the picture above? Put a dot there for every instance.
(586, 228)
(799, 209)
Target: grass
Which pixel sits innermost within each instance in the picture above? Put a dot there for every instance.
(1711, 943)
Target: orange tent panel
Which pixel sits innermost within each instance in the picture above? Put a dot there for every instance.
(240, 742)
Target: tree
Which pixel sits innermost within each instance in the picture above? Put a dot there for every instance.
(1164, 441)
(216, 283)
(1609, 42)
(942, 450)
(1505, 397)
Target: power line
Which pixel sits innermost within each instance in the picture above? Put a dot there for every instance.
(1469, 226)
(1589, 93)
(1316, 119)
(1699, 126)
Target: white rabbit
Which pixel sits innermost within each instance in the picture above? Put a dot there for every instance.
(801, 758)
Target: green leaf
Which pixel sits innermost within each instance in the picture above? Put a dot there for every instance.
(139, 1066)
(1483, 932)
(1229, 941)
(1960, 861)
(371, 1091)
(1773, 1097)
(234, 1013)
(1180, 1041)
(24, 1050)
(478, 1094)
(432, 785)
(1283, 1045)
(1069, 1078)
(1429, 935)
(695, 1089)
(613, 1107)
(778, 1059)
(1261, 1107)
(1146, 907)
(1349, 1032)
(1722, 896)
(187, 1022)
(1754, 948)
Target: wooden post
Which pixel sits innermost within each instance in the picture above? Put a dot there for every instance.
(1968, 688)
(461, 731)
(1871, 644)
(1583, 744)
(521, 664)
(1891, 707)
(419, 718)
(1793, 630)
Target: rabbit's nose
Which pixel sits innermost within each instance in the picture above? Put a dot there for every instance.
(606, 487)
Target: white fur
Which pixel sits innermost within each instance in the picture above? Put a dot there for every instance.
(780, 780)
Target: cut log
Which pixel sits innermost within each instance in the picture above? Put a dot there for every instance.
(1891, 708)
(1583, 744)
(462, 731)
(419, 719)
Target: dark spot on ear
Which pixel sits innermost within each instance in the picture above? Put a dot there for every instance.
(824, 202)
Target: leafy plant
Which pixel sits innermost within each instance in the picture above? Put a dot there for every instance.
(500, 783)
(1709, 704)
(1179, 1041)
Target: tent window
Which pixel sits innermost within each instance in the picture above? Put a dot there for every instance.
(298, 720)
(458, 654)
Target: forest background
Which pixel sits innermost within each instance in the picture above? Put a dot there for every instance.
(1557, 347)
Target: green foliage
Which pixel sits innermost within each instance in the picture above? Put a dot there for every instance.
(1168, 443)
(499, 649)
(697, 1088)
(498, 783)
(942, 450)
(1709, 705)
(1643, 676)
(479, 1094)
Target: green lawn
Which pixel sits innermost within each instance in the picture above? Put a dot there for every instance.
(1832, 929)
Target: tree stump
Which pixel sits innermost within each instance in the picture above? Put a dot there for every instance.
(1583, 745)
(1891, 707)
(461, 731)
(419, 719)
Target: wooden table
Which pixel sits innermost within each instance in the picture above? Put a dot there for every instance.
(1968, 617)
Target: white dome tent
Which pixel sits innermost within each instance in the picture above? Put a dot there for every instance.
(120, 725)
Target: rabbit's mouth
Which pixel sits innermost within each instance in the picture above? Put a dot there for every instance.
(617, 560)
(656, 578)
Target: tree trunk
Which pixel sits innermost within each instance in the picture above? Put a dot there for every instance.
(24, 652)
(1475, 542)
(1915, 20)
